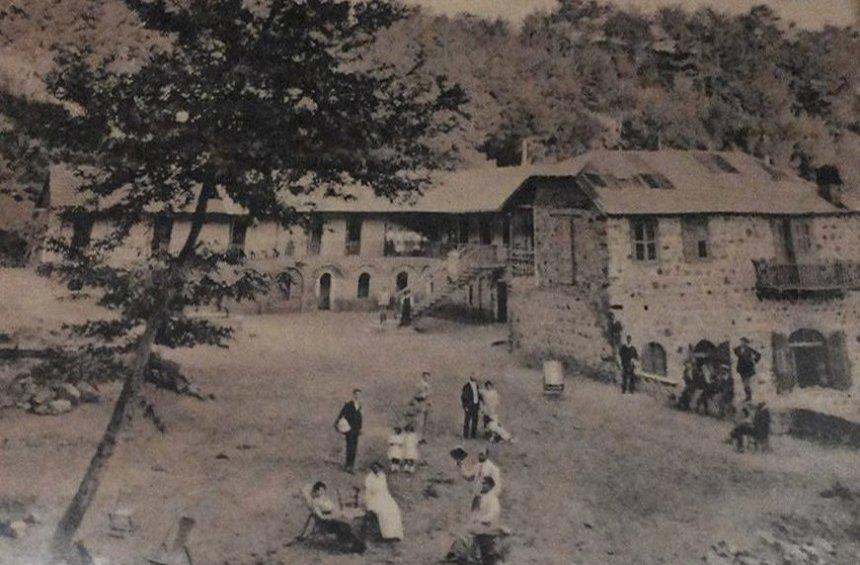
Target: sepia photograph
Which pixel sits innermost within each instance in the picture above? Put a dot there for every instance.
(483, 282)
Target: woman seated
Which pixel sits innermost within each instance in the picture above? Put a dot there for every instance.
(332, 520)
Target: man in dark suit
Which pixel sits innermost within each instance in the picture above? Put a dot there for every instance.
(470, 398)
(351, 412)
(747, 360)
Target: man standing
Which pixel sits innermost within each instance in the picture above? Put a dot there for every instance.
(470, 398)
(422, 405)
(747, 359)
(629, 356)
(349, 423)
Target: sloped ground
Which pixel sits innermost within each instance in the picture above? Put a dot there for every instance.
(595, 477)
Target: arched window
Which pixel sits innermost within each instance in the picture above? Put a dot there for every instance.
(654, 359)
(402, 280)
(364, 285)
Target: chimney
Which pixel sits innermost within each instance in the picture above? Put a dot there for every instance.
(524, 152)
(829, 184)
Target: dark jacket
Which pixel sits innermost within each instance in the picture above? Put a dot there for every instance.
(352, 417)
(466, 399)
(747, 359)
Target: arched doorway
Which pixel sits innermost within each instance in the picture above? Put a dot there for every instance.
(291, 287)
(809, 350)
(402, 280)
(324, 299)
(654, 359)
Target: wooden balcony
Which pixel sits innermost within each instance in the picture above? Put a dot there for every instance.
(776, 280)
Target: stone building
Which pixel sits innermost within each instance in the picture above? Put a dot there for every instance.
(348, 251)
(687, 252)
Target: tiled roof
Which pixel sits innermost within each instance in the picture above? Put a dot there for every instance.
(619, 182)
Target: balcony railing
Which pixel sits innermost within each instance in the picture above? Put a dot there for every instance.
(795, 278)
(522, 262)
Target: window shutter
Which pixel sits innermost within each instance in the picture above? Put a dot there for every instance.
(840, 365)
(783, 363)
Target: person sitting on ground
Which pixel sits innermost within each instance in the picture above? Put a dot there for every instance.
(496, 433)
(743, 428)
(482, 468)
(478, 542)
(710, 387)
(332, 520)
(727, 391)
(383, 506)
(410, 449)
(395, 450)
(761, 427)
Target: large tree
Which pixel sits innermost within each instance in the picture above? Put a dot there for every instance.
(260, 101)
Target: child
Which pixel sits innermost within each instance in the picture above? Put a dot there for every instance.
(761, 427)
(395, 449)
(410, 449)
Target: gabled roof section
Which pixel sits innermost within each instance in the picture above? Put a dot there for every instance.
(696, 182)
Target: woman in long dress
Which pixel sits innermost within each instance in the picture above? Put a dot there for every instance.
(382, 504)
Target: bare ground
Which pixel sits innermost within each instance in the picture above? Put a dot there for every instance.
(596, 477)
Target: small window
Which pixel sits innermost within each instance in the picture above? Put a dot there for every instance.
(723, 164)
(654, 359)
(238, 231)
(715, 163)
(486, 226)
(644, 232)
(802, 235)
(655, 180)
(353, 236)
(82, 232)
(694, 233)
(363, 285)
(595, 179)
(162, 229)
(464, 230)
(315, 232)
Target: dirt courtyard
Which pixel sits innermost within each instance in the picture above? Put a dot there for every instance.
(595, 477)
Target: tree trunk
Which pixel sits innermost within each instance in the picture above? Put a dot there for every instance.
(74, 514)
(63, 539)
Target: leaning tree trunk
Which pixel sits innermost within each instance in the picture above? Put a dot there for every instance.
(74, 514)
(68, 525)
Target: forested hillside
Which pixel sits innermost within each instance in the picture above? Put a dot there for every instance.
(585, 75)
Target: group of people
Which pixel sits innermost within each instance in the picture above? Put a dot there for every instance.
(478, 399)
(477, 542)
(708, 382)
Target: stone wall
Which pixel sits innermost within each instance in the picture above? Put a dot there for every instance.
(562, 311)
(675, 301)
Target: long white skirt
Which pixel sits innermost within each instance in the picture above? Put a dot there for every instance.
(380, 502)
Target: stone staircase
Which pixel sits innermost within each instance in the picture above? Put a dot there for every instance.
(453, 275)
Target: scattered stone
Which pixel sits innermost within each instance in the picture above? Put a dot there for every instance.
(89, 393)
(70, 392)
(14, 529)
(42, 396)
(222, 456)
(587, 525)
(30, 519)
(23, 405)
(57, 407)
